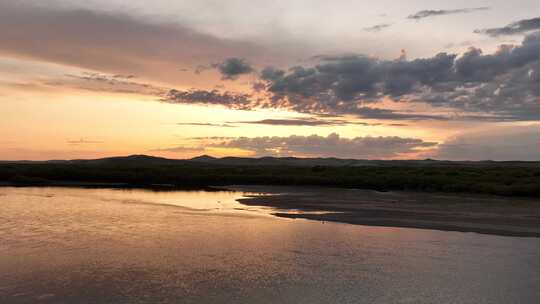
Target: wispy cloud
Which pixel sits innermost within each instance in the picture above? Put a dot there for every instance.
(377, 28)
(310, 122)
(181, 149)
(433, 13)
(83, 141)
(109, 83)
(205, 124)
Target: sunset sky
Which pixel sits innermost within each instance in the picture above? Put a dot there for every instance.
(417, 79)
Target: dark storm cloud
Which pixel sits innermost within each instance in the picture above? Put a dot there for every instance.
(519, 27)
(432, 13)
(232, 68)
(214, 97)
(330, 146)
(377, 28)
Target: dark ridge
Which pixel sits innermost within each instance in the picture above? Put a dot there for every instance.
(282, 161)
(486, 177)
(203, 158)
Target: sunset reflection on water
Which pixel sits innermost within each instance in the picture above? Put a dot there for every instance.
(67, 245)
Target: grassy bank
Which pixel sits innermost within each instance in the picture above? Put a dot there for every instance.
(493, 178)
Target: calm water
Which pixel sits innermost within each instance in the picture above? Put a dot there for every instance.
(60, 245)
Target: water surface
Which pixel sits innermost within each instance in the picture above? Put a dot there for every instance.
(68, 245)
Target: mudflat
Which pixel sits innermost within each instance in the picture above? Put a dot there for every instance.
(507, 216)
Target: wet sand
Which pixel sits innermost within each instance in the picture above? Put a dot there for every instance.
(449, 212)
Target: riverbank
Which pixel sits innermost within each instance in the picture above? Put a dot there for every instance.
(510, 179)
(98, 185)
(449, 212)
(486, 214)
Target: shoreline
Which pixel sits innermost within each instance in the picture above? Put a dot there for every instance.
(516, 217)
(484, 214)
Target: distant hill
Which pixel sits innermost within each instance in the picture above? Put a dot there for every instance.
(132, 159)
(278, 161)
(140, 159)
(487, 177)
(342, 162)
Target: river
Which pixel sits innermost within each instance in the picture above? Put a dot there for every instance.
(75, 245)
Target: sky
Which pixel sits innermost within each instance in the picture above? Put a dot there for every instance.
(357, 79)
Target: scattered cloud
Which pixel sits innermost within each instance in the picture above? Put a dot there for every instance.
(519, 27)
(199, 69)
(181, 149)
(500, 86)
(432, 13)
(293, 122)
(349, 78)
(213, 97)
(232, 68)
(311, 122)
(500, 143)
(330, 146)
(503, 86)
